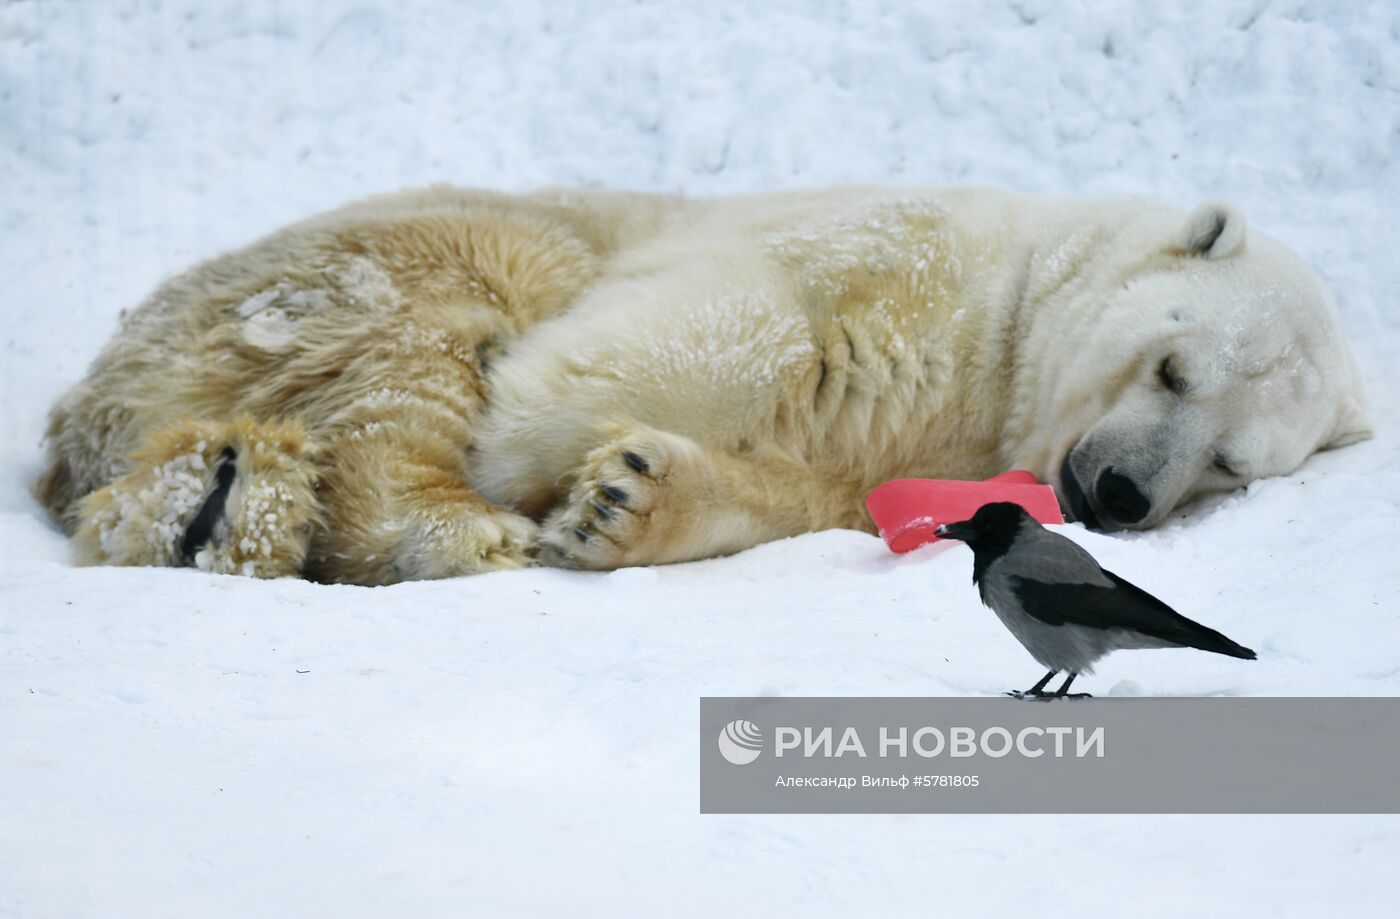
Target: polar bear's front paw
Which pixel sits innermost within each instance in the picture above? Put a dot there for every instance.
(628, 502)
(463, 541)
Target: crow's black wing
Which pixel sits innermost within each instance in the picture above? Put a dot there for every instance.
(1122, 606)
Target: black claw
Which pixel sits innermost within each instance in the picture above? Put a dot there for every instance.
(613, 492)
(603, 510)
(201, 528)
(582, 534)
(1035, 695)
(636, 462)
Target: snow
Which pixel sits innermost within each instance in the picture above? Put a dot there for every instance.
(179, 743)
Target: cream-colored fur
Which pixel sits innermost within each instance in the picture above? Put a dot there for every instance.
(598, 379)
(269, 517)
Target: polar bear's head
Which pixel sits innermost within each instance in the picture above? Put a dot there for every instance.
(1209, 358)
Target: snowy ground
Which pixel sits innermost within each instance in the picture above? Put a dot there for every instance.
(173, 743)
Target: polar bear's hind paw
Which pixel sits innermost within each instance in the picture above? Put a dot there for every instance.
(227, 497)
(211, 513)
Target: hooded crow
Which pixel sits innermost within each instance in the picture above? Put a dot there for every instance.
(1066, 610)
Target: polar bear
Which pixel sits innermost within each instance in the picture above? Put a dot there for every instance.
(445, 381)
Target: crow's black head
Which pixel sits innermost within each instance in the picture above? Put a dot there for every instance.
(993, 523)
(989, 533)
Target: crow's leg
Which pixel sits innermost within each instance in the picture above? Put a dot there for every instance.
(1038, 690)
(1064, 693)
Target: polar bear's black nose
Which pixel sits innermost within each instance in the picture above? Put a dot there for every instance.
(1120, 499)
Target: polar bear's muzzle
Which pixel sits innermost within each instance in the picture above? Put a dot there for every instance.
(1117, 500)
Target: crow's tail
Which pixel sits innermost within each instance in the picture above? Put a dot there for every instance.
(1155, 618)
(1207, 639)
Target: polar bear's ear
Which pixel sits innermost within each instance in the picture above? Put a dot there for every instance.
(1214, 230)
(1352, 425)
(1351, 429)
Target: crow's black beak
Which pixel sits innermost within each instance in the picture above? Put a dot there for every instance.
(960, 530)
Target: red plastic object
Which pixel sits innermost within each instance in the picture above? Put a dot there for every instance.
(907, 511)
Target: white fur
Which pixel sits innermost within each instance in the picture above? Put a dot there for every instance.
(683, 378)
(964, 332)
